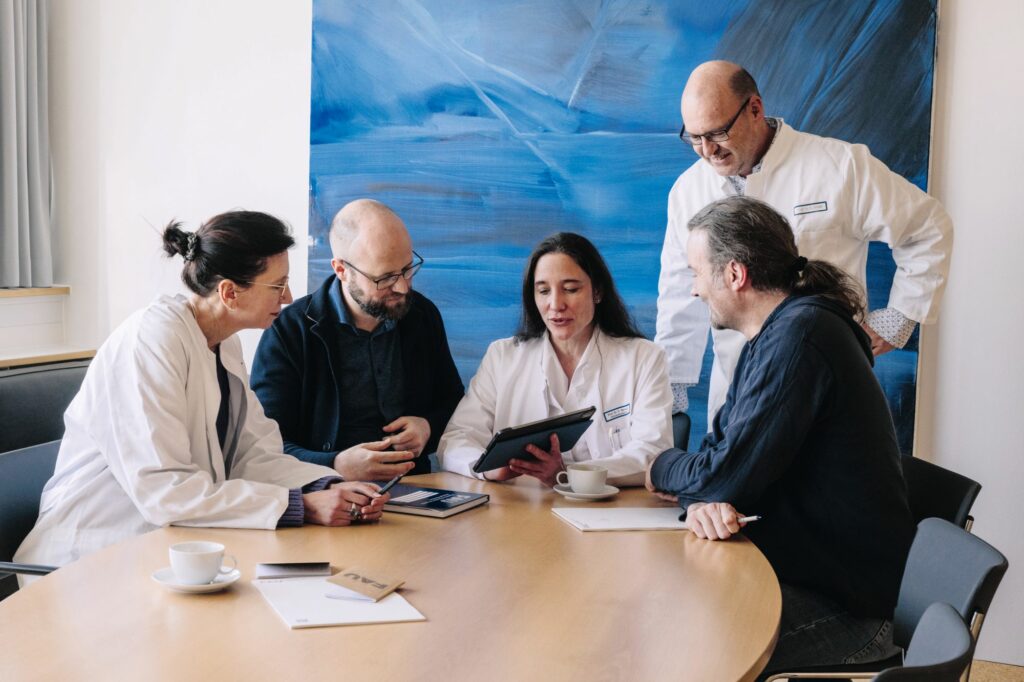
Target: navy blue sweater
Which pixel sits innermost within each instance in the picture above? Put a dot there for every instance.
(805, 438)
(295, 378)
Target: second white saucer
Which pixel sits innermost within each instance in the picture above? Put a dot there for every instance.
(568, 492)
(165, 576)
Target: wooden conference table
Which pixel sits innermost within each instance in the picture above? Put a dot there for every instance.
(510, 592)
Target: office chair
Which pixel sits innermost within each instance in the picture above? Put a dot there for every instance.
(939, 651)
(945, 564)
(681, 430)
(33, 401)
(23, 473)
(935, 491)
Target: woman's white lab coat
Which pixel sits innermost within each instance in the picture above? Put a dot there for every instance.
(141, 450)
(626, 379)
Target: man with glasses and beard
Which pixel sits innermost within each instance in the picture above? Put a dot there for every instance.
(837, 196)
(358, 374)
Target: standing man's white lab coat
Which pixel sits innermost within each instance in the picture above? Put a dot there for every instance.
(141, 450)
(838, 198)
(624, 378)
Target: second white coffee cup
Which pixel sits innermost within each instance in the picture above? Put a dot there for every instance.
(198, 563)
(584, 478)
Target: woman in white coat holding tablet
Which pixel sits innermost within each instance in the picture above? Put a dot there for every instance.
(576, 347)
(165, 429)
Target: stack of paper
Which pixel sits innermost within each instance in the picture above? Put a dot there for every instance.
(314, 602)
(621, 518)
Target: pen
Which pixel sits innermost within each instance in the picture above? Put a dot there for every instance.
(390, 484)
(742, 519)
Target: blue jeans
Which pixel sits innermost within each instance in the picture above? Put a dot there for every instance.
(816, 631)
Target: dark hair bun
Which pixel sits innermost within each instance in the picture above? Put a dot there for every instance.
(233, 245)
(175, 239)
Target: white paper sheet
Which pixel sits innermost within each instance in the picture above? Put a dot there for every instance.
(303, 603)
(621, 518)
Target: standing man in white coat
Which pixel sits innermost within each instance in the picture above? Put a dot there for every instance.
(837, 196)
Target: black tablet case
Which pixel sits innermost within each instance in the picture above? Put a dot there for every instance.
(501, 450)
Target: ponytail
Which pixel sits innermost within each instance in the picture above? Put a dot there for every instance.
(819, 278)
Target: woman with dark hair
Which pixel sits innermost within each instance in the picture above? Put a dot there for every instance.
(165, 429)
(576, 346)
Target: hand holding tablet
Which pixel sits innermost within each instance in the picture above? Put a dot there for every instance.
(510, 443)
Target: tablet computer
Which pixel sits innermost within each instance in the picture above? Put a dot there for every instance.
(510, 443)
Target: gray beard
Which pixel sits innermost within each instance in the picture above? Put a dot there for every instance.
(378, 309)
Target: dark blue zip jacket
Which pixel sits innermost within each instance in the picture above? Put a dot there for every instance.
(805, 438)
(294, 377)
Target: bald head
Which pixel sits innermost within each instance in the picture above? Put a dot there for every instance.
(365, 225)
(370, 246)
(721, 102)
(718, 85)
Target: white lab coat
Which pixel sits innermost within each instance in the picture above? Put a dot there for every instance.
(624, 378)
(838, 198)
(140, 450)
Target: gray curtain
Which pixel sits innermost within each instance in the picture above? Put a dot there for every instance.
(25, 178)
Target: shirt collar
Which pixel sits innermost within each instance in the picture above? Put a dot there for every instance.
(738, 182)
(345, 317)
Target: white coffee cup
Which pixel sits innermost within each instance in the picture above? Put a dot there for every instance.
(198, 563)
(584, 478)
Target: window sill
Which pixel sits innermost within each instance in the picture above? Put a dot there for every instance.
(12, 358)
(26, 292)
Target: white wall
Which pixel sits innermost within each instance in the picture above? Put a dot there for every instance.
(184, 108)
(170, 109)
(971, 382)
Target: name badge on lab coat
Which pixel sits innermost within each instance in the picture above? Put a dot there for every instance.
(616, 412)
(816, 207)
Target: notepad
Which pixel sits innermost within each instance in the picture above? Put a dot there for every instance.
(314, 603)
(621, 518)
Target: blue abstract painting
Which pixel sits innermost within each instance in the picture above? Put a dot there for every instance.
(488, 125)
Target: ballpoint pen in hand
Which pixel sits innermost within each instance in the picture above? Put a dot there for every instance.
(742, 519)
(390, 484)
(357, 514)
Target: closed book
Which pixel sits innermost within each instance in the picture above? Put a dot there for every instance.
(436, 502)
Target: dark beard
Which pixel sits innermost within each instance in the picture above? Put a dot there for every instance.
(378, 309)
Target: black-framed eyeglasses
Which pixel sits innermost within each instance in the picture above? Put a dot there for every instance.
(715, 135)
(388, 281)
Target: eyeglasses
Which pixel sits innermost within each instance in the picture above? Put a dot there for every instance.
(388, 281)
(283, 287)
(715, 135)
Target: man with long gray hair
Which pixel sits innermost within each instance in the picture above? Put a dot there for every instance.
(805, 439)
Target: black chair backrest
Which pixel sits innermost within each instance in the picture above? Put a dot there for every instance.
(937, 492)
(946, 564)
(23, 473)
(33, 400)
(681, 431)
(939, 651)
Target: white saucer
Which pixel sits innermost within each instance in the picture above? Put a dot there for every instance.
(165, 576)
(565, 490)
